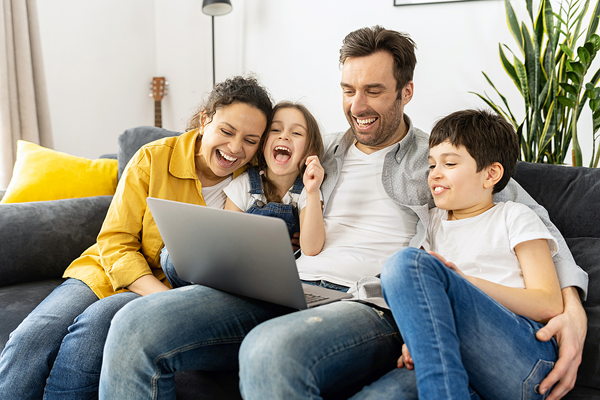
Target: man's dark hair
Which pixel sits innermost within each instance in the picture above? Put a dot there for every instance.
(487, 136)
(366, 41)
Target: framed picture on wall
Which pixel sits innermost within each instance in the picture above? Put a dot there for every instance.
(399, 3)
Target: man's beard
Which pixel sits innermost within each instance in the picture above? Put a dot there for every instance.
(388, 126)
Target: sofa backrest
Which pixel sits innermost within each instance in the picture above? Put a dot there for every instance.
(571, 195)
(133, 139)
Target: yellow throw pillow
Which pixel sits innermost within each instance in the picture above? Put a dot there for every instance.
(44, 174)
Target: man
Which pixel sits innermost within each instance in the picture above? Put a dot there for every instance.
(321, 350)
(375, 199)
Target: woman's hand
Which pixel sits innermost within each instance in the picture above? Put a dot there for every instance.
(147, 284)
(313, 176)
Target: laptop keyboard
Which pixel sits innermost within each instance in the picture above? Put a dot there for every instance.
(311, 298)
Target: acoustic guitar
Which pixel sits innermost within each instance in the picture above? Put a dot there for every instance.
(159, 90)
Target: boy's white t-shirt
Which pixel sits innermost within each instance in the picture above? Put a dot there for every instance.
(238, 192)
(358, 243)
(214, 196)
(484, 246)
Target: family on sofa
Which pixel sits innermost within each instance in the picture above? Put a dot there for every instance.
(116, 330)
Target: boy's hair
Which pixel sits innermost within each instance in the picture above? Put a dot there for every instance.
(487, 136)
(233, 90)
(366, 41)
(314, 146)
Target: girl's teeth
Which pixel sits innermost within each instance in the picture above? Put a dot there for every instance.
(437, 189)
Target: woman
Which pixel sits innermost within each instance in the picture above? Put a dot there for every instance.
(57, 349)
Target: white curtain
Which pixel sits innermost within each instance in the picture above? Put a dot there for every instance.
(24, 110)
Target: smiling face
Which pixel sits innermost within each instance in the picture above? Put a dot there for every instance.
(285, 145)
(455, 183)
(229, 141)
(371, 103)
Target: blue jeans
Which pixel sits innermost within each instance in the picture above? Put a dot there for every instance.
(196, 327)
(192, 327)
(57, 350)
(319, 351)
(459, 337)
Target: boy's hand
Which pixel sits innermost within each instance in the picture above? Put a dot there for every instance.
(405, 359)
(313, 176)
(448, 264)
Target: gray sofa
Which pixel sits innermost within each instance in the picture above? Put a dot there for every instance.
(38, 241)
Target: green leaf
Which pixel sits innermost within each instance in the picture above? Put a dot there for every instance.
(509, 68)
(549, 23)
(575, 77)
(575, 66)
(584, 55)
(593, 104)
(566, 50)
(523, 82)
(568, 88)
(594, 19)
(590, 94)
(513, 24)
(565, 101)
(595, 40)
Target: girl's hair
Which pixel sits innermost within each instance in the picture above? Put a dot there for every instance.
(236, 89)
(314, 146)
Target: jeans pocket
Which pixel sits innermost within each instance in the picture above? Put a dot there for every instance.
(531, 385)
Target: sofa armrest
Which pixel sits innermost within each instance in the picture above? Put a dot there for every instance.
(40, 239)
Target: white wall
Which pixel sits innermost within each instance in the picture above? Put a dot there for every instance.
(101, 55)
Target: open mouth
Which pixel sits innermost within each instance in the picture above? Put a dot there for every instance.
(364, 123)
(224, 159)
(438, 189)
(282, 154)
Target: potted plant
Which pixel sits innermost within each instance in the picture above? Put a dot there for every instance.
(551, 78)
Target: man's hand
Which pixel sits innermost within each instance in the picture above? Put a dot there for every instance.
(570, 329)
(405, 359)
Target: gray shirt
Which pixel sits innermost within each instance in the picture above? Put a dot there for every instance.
(404, 178)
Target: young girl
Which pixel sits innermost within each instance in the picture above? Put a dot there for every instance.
(285, 183)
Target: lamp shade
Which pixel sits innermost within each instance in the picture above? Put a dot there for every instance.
(216, 7)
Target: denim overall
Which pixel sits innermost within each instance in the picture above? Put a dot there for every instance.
(287, 212)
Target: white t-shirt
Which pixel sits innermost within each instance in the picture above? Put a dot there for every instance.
(363, 226)
(238, 192)
(484, 246)
(214, 196)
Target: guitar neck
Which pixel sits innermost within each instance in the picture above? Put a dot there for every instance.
(157, 114)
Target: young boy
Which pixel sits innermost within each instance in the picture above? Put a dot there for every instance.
(469, 325)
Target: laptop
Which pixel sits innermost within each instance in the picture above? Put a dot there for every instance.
(243, 254)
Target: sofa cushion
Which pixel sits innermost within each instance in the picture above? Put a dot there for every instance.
(40, 239)
(132, 139)
(586, 252)
(17, 301)
(44, 174)
(570, 194)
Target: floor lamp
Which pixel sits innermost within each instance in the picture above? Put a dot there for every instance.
(215, 8)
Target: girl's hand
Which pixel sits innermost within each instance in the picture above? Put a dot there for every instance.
(405, 359)
(313, 176)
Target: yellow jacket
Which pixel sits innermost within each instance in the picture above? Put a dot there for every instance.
(129, 243)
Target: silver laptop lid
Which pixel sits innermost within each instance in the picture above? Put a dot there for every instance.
(244, 254)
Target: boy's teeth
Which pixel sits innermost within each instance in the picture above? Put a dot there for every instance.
(225, 156)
